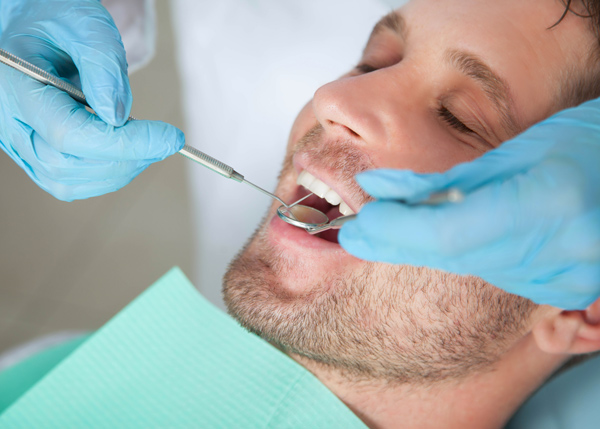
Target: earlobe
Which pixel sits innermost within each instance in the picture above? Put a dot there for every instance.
(592, 313)
(556, 334)
(570, 332)
(589, 333)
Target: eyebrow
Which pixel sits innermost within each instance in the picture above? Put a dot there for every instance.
(495, 88)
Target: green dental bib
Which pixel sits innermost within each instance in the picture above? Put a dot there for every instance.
(171, 359)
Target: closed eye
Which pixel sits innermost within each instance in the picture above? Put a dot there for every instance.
(453, 121)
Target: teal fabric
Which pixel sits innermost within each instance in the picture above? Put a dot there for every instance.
(568, 401)
(171, 359)
(18, 379)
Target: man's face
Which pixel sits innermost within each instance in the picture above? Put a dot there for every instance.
(440, 82)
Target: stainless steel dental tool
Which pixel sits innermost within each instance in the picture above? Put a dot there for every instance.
(308, 218)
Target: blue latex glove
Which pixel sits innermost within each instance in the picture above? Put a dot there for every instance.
(67, 151)
(530, 222)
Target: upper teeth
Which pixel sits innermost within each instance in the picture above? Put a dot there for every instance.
(320, 189)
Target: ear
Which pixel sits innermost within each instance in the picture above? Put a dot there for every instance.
(570, 332)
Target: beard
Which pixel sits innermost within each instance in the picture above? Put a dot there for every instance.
(398, 324)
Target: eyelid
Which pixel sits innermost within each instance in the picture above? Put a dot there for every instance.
(452, 120)
(447, 116)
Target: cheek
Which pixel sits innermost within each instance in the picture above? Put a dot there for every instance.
(304, 122)
(423, 146)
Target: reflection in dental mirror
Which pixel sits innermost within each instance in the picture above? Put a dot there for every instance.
(302, 216)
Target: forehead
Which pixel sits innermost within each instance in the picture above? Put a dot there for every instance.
(512, 36)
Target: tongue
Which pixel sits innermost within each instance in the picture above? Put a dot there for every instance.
(329, 235)
(333, 212)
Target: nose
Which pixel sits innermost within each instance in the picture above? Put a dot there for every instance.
(362, 108)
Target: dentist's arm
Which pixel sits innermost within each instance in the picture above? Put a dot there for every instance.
(67, 151)
(529, 224)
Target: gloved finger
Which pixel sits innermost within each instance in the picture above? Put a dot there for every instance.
(43, 160)
(71, 192)
(92, 40)
(385, 231)
(74, 188)
(70, 129)
(81, 180)
(411, 187)
(104, 79)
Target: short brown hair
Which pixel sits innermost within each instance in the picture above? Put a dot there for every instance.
(592, 11)
(587, 85)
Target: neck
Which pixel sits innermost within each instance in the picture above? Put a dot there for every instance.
(483, 400)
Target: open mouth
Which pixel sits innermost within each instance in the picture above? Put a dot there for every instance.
(324, 199)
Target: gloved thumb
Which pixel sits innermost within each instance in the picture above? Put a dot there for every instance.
(402, 185)
(502, 163)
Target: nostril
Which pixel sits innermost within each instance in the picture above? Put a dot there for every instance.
(352, 132)
(349, 130)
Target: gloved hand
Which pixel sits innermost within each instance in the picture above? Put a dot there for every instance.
(66, 150)
(529, 223)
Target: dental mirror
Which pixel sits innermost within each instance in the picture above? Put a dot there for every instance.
(315, 221)
(303, 216)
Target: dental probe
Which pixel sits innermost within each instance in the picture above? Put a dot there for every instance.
(225, 170)
(188, 151)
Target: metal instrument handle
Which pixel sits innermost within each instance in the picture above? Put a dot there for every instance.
(41, 75)
(212, 163)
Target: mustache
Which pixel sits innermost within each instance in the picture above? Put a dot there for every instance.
(341, 156)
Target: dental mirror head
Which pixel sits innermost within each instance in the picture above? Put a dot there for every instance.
(302, 216)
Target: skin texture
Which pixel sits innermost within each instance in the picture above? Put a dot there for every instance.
(394, 342)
